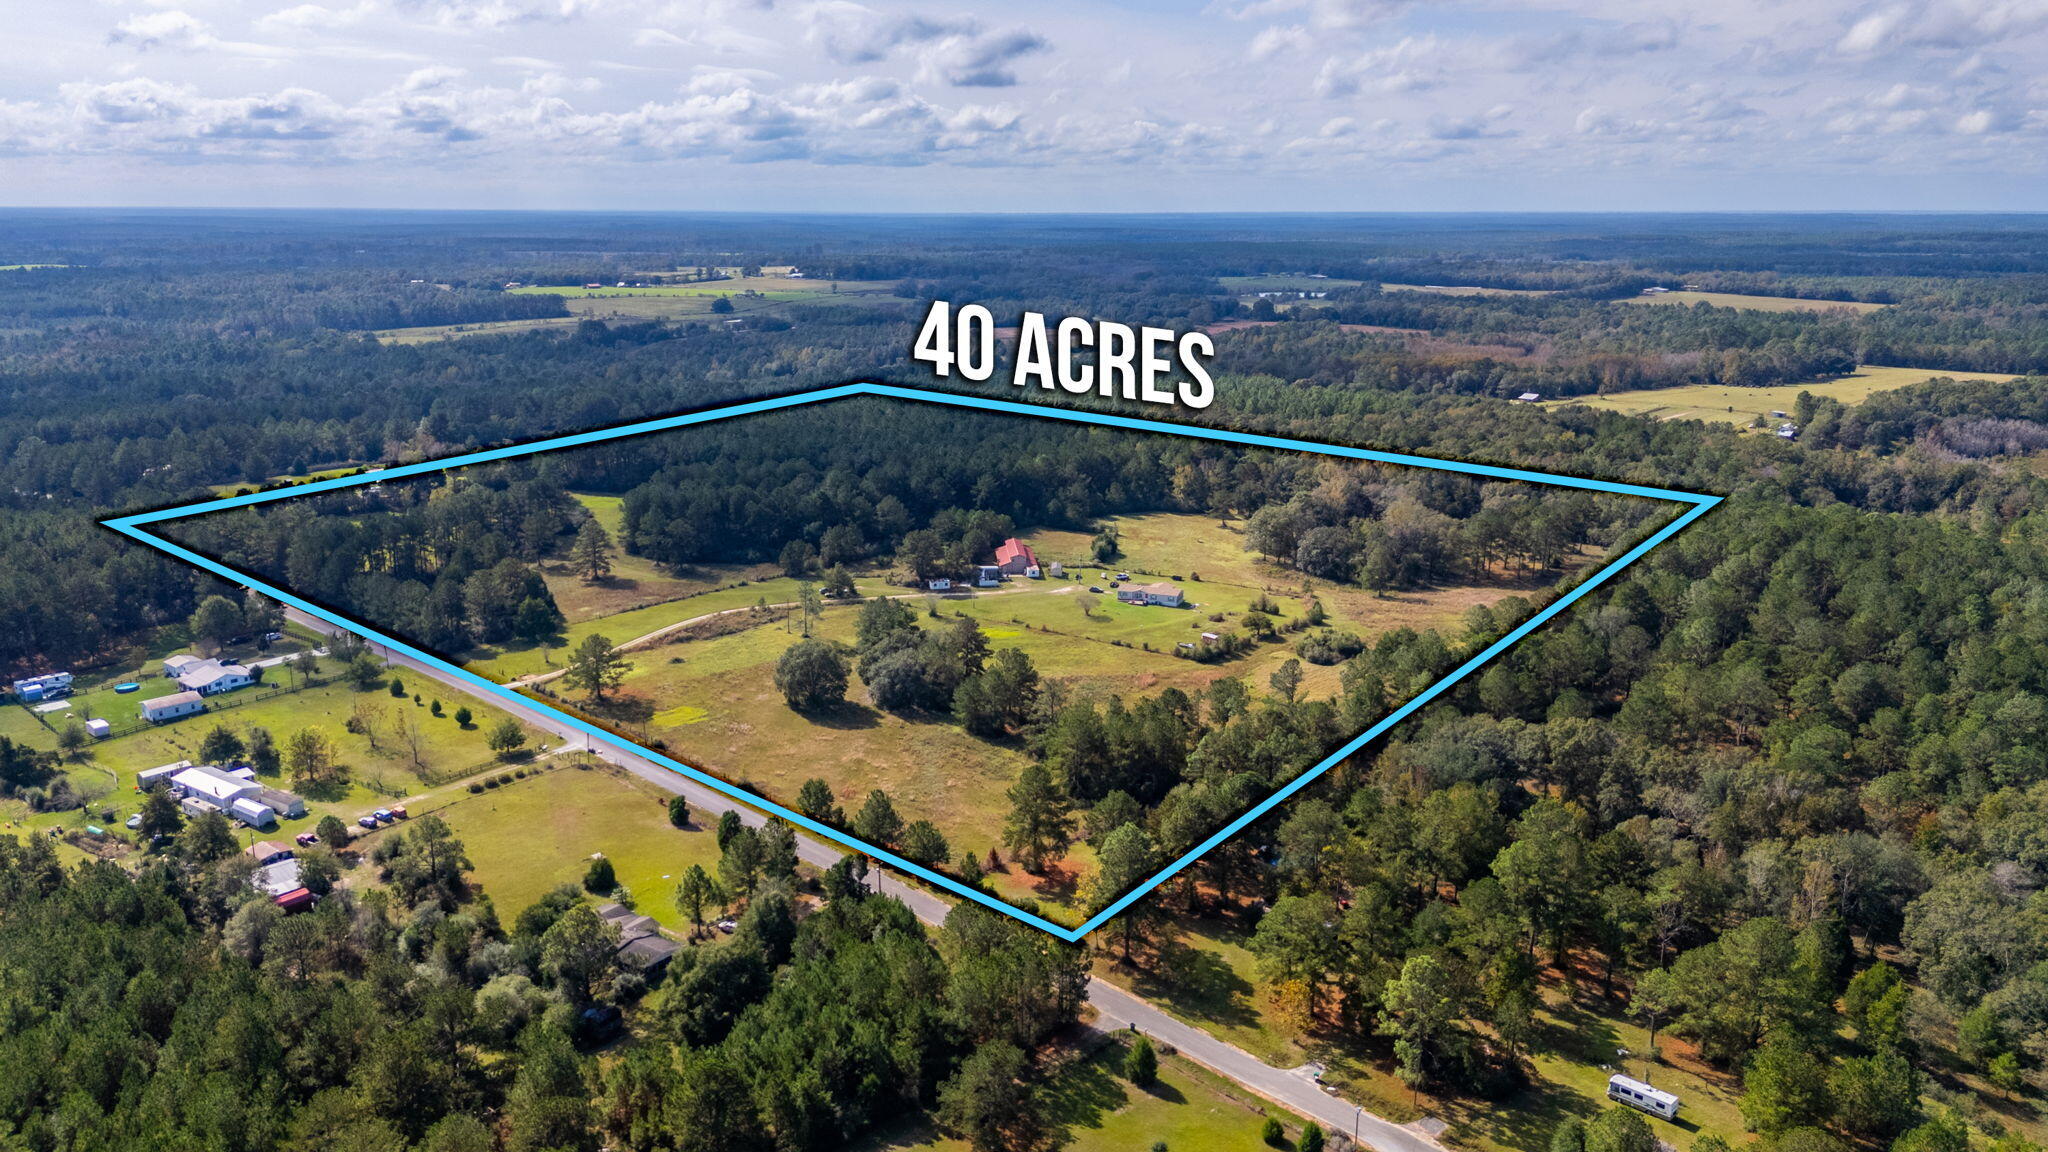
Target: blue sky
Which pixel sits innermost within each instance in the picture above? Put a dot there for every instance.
(874, 105)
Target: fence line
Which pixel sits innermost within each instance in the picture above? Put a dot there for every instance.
(225, 702)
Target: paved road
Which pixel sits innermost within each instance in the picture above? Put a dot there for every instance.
(1115, 1008)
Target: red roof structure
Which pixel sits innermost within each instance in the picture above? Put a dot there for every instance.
(1015, 556)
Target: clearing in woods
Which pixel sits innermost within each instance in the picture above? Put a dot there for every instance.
(1755, 303)
(712, 701)
(748, 296)
(533, 835)
(1727, 404)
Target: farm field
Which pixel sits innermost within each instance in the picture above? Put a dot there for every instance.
(1285, 283)
(1755, 303)
(530, 836)
(1095, 1109)
(433, 332)
(712, 701)
(1729, 405)
(1463, 290)
(656, 302)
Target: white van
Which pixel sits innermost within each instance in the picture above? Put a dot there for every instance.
(1636, 1094)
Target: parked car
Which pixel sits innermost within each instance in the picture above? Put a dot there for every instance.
(727, 926)
(307, 839)
(1093, 588)
(398, 810)
(367, 821)
(135, 821)
(1123, 575)
(383, 815)
(273, 637)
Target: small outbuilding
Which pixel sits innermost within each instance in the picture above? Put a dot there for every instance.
(98, 729)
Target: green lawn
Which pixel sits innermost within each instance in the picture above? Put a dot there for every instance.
(1096, 1110)
(1754, 303)
(1727, 404)
(532, 835)
(378, 775)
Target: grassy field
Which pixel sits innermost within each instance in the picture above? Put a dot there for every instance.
(1754, 303)
(378, 775)
(656, 302)
(1285, 283)
(1728, 405)
(1096, 1110)
(512, 662)
(532, 835)
(432, 332)
(714, 702)
(1463, 290)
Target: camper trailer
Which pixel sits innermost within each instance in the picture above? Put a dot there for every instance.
(1636, 1094)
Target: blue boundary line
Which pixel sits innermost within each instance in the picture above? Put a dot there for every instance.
(1699, 505)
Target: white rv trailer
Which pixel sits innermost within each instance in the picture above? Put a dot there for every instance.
(1636, 1094)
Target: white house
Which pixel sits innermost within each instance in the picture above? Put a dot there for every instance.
(172, 707)
(213, 785)
(183, 662)
(149, 776)
(941, 585)
(1162, 594)
(988, 576)
(211, 678)
(1636, 1094)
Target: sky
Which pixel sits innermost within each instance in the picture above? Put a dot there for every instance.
(1141, 105)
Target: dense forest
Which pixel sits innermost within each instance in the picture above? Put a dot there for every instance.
(176, 1006)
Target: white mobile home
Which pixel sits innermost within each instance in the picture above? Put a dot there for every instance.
(1636, 1094)
(172, 707)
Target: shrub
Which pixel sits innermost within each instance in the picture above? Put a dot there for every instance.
(475, 788)
(1273, 1132)
(1141, 1063)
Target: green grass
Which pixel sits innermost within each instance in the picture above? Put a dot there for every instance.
(379, 775)
(531, 835)
(433, 332)
(1754, 303)
(1740, 406)
(1096, 1110)
(1463, 290)
(512, 662)
(1285, 283)
(715, 705)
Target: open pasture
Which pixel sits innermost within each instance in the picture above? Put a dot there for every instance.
(1755, 303)
(1731, 405)
(532, 835)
